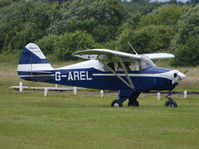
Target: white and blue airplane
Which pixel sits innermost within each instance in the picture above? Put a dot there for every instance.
(129, 74)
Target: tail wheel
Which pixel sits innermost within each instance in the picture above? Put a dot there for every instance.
(116, 103)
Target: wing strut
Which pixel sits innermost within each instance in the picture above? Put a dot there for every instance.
(126, 73)
(119, 77)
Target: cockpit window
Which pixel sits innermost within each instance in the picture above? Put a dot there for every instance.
(116, 66)
(145, 63)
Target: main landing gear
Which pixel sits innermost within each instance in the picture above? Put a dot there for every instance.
(170, 102)
(116, 103)
(132, 95)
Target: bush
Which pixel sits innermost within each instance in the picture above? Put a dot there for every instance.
(71, 42)
(48, 43)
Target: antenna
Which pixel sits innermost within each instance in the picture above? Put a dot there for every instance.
(132, 48)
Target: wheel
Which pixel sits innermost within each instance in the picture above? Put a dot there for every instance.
(171, 103)
(133, 103)
(116, 103)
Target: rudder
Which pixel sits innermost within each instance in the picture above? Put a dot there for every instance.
(32, 59)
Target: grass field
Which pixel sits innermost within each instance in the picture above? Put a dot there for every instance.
(62, 120)
(29, 120)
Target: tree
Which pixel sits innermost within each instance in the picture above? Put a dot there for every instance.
(140, 7)
(4, 3)
(188, 54)
(194, 1)
(99, 18)
(186, 47)
(22, 22)
(62, 46)
(147, 39)
(164, 15)
(188, 25)
(20, 36)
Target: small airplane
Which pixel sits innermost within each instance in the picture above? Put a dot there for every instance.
(129, 74)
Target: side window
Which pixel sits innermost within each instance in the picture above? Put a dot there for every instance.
(130, 66)
(111, 65)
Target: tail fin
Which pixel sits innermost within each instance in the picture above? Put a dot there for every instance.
(32, 59)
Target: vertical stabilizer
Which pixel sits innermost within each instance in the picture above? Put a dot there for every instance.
(32, 60)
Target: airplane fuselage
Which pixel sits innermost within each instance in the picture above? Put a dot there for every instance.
(152, 78)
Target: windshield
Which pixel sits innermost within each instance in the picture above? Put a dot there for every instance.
(145, 62)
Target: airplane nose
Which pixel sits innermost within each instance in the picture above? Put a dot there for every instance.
(178, 76)
(181, 75)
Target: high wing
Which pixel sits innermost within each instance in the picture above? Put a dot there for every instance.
(105, 54)
(113, 55)
(159, 55)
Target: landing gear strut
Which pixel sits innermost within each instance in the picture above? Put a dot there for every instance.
(133, 102)
(170, 102)
(132, 95)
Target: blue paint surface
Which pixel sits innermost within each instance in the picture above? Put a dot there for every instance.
(28, 57)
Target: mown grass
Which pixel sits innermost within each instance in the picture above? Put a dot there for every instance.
(62, 120)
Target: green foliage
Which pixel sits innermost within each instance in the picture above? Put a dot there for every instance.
(187, 47)
(48, 43)
(62, 46)
(188, 26)
(21, 35)
(100, 18)
(147, 39)
(61, 27)
(164, 15)
(22, 22)
(134, 19)
(194, 1)
(71, 42)
(188, 54)
(141, 7)
(4, 3)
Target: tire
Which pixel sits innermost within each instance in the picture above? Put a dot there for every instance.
(171, 103)
(116, 103)
(134, 104)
